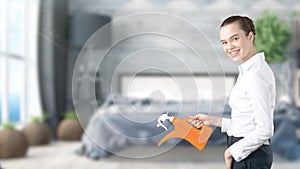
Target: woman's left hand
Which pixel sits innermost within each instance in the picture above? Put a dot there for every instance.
(228, 159)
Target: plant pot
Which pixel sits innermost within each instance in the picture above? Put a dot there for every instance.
(69, 130)
(37, 133)
(13, 143)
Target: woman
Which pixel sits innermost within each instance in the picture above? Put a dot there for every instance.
(252, 100)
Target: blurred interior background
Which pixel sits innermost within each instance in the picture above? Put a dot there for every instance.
(41, 41)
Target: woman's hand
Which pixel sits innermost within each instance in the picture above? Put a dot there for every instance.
(228, 159)
(199, 120)
(203, 119)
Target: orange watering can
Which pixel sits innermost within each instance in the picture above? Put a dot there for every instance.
(184, 130)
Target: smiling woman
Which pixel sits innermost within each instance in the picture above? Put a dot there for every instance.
(235, 44)
(252, 100)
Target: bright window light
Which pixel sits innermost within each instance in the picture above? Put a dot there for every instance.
(19, 91)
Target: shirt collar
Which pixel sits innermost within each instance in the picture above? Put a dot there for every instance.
(244, 67)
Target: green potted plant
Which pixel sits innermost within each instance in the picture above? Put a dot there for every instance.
(13, 143)
(37, 131)
(69, 129)
(273, 36)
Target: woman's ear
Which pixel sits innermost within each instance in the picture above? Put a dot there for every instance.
(251, 37)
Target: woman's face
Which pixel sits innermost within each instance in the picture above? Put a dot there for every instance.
(236, 44)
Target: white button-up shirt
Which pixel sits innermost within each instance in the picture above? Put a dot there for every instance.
(252, 101)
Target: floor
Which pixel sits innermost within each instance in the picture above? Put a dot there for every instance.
(60, 155)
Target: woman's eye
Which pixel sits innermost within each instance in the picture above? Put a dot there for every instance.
(235, 39)
(224, 43)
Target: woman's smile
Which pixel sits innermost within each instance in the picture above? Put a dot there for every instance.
(234, 53)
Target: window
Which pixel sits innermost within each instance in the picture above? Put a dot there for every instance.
(1, 85)
(19, 92)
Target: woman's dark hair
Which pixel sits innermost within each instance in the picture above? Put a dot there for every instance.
(245, 23)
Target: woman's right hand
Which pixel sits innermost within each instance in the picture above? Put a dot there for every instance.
(199, 120)
(203, 119)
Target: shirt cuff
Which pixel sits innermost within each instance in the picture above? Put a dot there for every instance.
(225, 124)
(236, 153)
